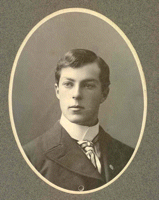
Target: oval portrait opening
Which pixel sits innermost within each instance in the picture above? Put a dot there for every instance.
(77, 101)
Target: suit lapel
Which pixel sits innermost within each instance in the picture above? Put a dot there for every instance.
(108, 156)
(104, 140)
(68, 154)
(111, 155)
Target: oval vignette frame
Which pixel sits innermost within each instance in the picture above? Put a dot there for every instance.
(143, 82)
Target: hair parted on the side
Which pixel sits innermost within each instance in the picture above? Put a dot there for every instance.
(76, 58)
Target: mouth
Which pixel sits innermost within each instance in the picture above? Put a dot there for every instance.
(76, 107)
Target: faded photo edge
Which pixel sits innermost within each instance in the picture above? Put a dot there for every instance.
(134, 53)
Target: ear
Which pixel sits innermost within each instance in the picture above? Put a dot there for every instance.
(104, 94)
(57, 90)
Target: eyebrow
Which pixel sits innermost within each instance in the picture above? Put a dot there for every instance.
(85, 80)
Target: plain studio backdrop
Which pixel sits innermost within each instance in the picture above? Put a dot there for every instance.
(35, 106)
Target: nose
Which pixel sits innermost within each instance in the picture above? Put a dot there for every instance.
(76, 93)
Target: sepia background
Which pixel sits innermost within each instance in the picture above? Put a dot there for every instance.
(35, 106)
(139, 21)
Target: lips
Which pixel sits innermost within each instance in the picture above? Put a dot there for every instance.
(76, 107)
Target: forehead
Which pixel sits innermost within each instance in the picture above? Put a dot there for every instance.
(88, 71)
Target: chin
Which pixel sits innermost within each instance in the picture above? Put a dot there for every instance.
(78, 120)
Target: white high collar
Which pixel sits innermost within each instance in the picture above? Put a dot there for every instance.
(79, 132)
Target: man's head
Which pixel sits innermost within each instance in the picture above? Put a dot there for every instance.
(76, 58)
(82, 84)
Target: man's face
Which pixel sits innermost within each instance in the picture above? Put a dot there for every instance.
(80, 95)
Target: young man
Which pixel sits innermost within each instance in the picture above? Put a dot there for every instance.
(77, 154)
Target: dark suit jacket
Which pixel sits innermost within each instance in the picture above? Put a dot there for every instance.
(60, 160)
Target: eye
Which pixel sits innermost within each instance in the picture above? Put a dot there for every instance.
(67, 84)
(89, 85)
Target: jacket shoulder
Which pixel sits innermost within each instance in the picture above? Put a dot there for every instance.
(115, 145)
(35, 149)
(120, 148)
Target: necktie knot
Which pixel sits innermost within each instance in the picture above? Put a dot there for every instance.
(85, 144)
(88, 149)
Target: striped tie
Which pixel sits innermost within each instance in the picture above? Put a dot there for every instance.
(88, 149)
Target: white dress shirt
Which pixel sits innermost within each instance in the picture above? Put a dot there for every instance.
(80, 133)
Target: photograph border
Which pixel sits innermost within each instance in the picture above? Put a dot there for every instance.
(133, 51)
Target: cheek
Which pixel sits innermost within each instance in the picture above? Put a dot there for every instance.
(64, 99)
(94, 100)
(63, 94)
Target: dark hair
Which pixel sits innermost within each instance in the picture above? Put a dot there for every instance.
(77, 58)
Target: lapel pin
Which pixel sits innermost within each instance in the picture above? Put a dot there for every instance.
(111, 167)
